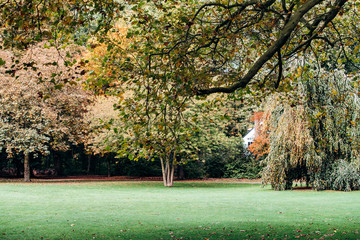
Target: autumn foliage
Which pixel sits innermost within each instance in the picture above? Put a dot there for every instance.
(42, 102)
(260, 146)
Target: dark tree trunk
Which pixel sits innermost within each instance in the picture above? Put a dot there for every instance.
(57, 164)
(31, 159)
(108, 166)
(27, 167)
(181, 172)
(18, 166)
(88, 165)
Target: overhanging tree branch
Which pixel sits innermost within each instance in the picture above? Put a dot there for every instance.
(284, 36)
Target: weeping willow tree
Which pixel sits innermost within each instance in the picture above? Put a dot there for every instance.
(316, 140)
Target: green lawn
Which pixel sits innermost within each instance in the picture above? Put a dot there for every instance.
(147, 210)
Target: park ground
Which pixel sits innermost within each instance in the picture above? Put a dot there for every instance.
(120, 208)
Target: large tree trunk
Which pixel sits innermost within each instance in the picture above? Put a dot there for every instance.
(27, 167)
(168, 169)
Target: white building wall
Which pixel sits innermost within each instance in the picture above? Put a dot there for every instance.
(249, 138)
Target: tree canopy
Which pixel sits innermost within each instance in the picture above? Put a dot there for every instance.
(202, 46)
(24, 23)
(222, 46)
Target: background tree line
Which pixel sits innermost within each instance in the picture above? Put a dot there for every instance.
(161, 60)
(52, 126)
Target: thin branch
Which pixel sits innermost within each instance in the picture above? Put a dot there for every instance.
(280, 69)
(267, 76)
(342, 46)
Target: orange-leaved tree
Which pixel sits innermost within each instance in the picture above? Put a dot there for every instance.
(260, 146)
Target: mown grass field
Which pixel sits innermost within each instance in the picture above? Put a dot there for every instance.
(147, 210)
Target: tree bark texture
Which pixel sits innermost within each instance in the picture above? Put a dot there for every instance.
(27, 167)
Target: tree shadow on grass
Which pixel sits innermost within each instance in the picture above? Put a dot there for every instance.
(247, 230)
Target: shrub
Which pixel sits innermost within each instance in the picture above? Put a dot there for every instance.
(345, 176)
(243, 166)
(232, 161)
(194, 170)
(215, 163)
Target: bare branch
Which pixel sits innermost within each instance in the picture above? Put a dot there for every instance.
(280, 69)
